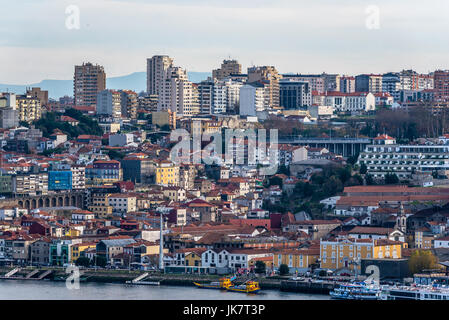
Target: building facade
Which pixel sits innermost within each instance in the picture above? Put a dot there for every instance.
(89, 80)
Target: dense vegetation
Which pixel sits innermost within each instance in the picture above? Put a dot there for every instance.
(306, 196)
(405, 125)
(48, 123)
(421, 260)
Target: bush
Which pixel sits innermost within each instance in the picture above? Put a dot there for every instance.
(363, 169)
(391, 178)
(83, 261)
(100, 261)
(283, 270)
(260, 267)
(421, 260)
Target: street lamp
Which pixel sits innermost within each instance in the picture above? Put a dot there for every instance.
(355, 262)
(161, 244)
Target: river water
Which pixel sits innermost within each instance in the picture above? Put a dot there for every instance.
(49, 290)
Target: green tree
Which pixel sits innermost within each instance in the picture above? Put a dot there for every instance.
(276, 181)
(83, 261)
(332, 186)
(369, 180)
(24, 124)
(422, 260)
(283, 270)
(115, 155)
(284, 170)
(48, 152)
(353, 159)
(344, 174)
(363, 169)
(260, 267)
(391, 178)
(100, 261)
(165, 127)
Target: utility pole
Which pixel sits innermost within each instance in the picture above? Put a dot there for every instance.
(161, 246)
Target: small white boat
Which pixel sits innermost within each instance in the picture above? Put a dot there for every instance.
(356, 291)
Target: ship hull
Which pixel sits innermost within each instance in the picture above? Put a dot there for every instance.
(243, 290)
(207, 286)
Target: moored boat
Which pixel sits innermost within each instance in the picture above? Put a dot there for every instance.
(356, 291)
(247, 287)
(223, 284)
(426, 292)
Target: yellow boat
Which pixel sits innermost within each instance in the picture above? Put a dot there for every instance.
(248, 287)
(223, 284)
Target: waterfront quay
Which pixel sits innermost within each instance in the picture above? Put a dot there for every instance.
(166, 279)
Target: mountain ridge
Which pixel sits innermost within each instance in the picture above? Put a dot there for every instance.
(135, 81)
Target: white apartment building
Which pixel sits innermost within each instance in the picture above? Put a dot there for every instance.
(120, 139)
(109, 103)
(78, 176)
(177, 94)
(252, 99)
(82, 216)
(30, 184)
(122, 203)
(232, 258)
(157, 67)
(356, 102)
(385, 156)
(226, 96)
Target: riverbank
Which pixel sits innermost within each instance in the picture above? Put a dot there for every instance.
(166, 279)
(57, 290)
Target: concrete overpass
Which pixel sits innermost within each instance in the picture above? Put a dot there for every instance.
(346, 147)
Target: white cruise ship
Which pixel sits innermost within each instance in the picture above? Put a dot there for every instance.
(415, 292)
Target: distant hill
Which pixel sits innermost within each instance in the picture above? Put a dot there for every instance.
(58, 88)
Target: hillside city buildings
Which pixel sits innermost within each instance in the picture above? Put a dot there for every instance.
(100, 181)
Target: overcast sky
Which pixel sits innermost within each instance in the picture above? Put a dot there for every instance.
(293, 35)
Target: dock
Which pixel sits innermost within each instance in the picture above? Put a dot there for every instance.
(322, 287)
(29, 276)
(11, 273)
(140, 281)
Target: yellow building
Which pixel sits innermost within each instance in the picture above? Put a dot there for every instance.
(77, 249)
(141, 248)
(101, 211)
(175, 194)
(100, 205)
(189, 257)
(423, 240)
(387, 249)
(29, 108)
(296, 259)
(347, 252)
(269, 262)
(73, 232)
(193, 259)
(167, 174)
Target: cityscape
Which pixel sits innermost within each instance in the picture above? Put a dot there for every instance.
(259, 183)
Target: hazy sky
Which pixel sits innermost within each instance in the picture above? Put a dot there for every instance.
(295, 36)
